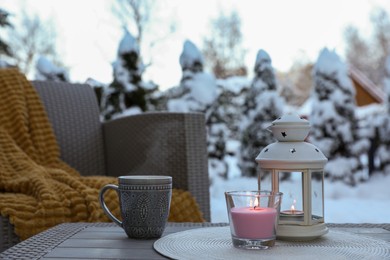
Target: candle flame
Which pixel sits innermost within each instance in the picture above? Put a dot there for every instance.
(254, 203)
(293, 207)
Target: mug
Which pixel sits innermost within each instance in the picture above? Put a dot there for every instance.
(144, 204)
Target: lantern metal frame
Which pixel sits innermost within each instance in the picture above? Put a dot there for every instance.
(291, 154)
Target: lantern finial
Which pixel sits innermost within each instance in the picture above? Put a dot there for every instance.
(289, 128)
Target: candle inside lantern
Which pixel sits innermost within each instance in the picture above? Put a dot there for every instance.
(293, 207)
(292, 211)
(254, 222)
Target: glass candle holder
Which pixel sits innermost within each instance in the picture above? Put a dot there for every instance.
(253, 218)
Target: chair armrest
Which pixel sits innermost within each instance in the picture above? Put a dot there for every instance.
(161, 143)
(8, 238)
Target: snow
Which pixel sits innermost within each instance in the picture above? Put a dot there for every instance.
(203, 88)
(46, 70)
(329, 63)
(198, 89)
(235, 84)
(203, 91)
(178, 105)
(364, 203)
(341, 166)
(45, 66)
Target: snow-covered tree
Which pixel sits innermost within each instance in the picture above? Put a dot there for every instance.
(263, 105)
(224, 127)
(147, 20)
(127, 94)
(46, 70)
(197, 89)
(383, 127)
(191, 61)
(334, 127)
(199, 92)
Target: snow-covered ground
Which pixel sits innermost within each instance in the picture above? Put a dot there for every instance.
(366, 203)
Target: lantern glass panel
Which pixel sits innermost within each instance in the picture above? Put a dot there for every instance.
(291, 184)
(265, 180)
(317, 196)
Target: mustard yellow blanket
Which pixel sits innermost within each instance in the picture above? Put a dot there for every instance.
(37, 189)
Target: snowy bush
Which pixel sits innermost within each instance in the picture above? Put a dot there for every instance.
(334, 124)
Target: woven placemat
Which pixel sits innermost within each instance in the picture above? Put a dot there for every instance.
(215, 243)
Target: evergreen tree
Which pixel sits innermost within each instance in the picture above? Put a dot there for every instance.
(334, 125)
(5, 49)
(127, 94)
(4, 22)
(263, 105)
(224, 127)
(197, 89)
(198, 92)
(383, 127)
(191, 62)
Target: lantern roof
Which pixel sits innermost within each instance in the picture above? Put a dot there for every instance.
(290, 119)
(291, 151)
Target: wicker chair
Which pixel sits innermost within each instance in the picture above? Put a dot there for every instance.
(158, 143)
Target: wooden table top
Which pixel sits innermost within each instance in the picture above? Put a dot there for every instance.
(108, 241)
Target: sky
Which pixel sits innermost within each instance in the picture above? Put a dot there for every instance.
(89, 33)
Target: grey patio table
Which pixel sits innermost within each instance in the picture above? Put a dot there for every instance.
(108, 241)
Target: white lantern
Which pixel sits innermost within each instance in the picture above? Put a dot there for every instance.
(296, 168)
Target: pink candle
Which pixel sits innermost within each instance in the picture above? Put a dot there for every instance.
(253, 223)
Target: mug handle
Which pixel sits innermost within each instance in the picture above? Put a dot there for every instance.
(104, 206)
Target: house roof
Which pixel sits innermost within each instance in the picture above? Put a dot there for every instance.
(366, 84)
